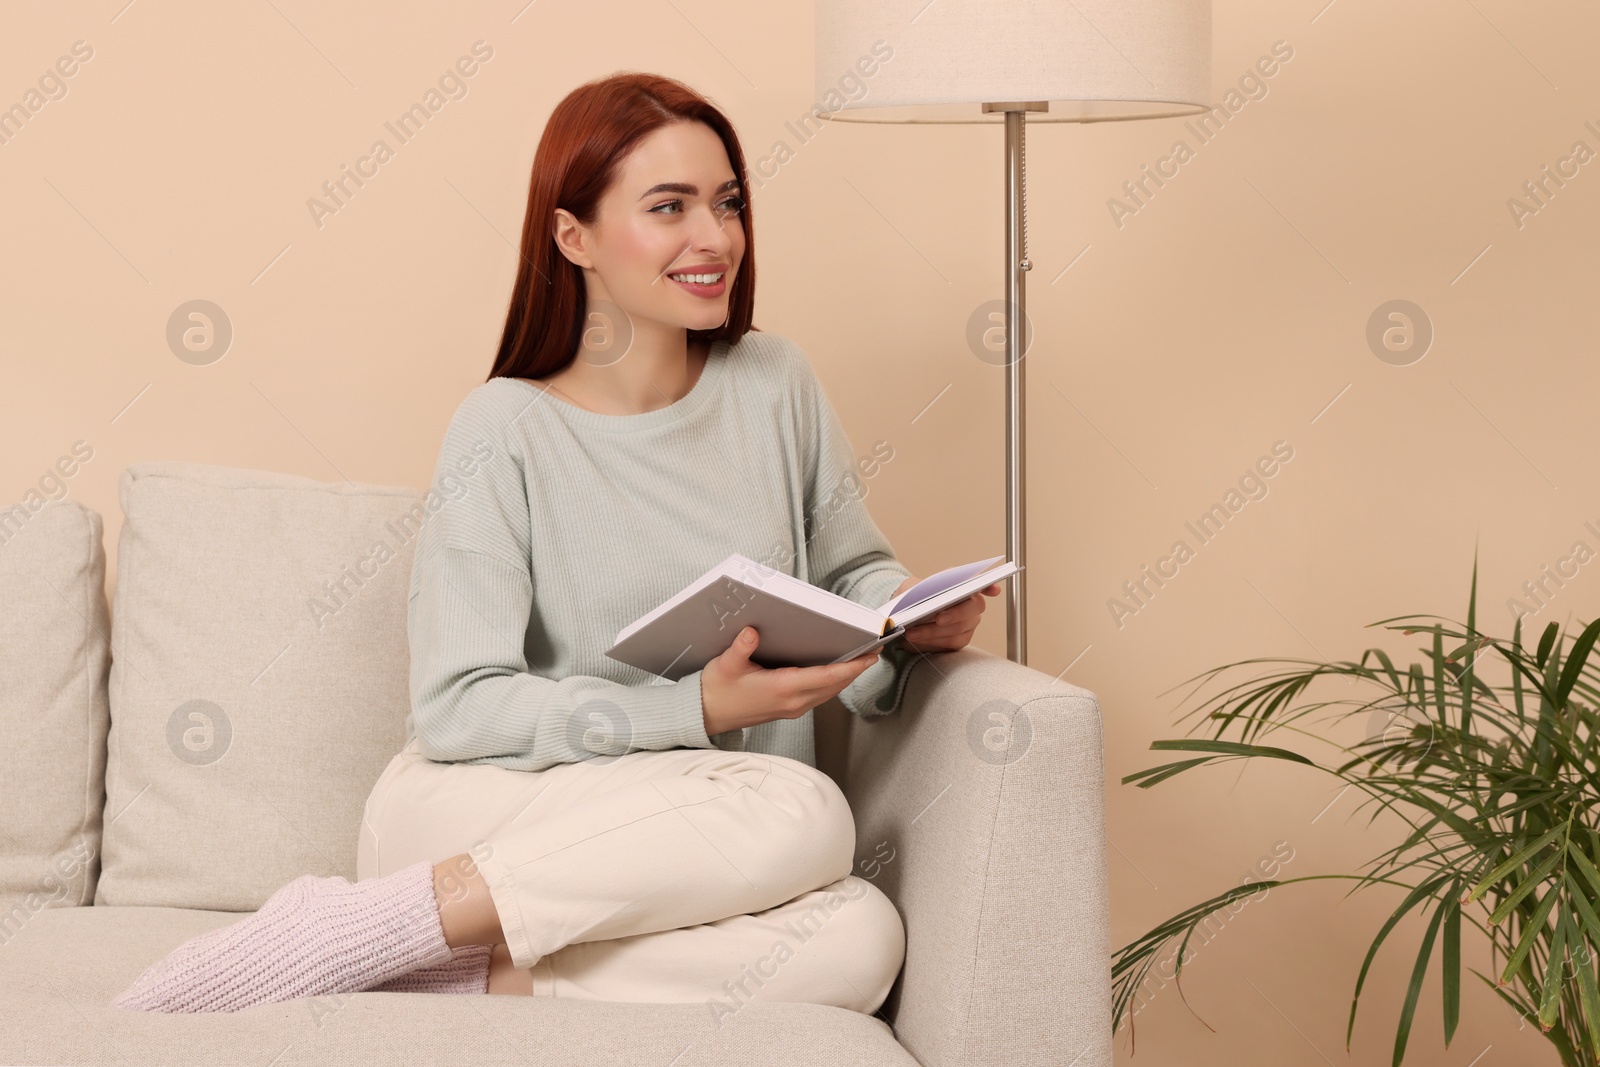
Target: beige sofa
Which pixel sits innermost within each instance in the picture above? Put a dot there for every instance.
(174, 761)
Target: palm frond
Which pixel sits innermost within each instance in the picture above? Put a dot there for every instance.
(1488, 754)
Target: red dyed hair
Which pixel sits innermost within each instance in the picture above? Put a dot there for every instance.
(588, 135)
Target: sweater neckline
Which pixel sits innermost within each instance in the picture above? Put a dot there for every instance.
(711, 376)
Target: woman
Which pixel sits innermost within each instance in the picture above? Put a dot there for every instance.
(558, 823)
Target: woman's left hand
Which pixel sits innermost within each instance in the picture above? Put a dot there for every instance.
(951, 628)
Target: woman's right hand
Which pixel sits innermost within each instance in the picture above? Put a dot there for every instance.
(735, 693)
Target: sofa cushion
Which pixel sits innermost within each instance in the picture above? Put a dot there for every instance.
(58, 978)
(260, 679)
(54, 658)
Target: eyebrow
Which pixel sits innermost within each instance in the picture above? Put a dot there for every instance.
(687, 188)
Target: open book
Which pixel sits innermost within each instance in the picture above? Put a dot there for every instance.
(800, 624)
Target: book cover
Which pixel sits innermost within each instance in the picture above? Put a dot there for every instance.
(801, 625)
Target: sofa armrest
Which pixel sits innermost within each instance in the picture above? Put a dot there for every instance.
(980, 811)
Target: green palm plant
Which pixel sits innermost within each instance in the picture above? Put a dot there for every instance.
(1496, 782)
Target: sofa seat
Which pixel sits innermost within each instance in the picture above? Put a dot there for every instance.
(59, 973)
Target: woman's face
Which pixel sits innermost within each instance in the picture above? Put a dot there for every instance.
(674, 208)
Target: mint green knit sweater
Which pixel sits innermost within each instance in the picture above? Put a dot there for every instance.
(551, 527)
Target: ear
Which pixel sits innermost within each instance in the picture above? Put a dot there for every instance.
(571, 236)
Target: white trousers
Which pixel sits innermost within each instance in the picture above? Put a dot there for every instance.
(680, 876)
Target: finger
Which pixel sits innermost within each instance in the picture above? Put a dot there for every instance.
(936, 644)
(925, 635)
(942, 624)
(954, 637)
(960, 630)
(835, 680)
(958, 615)
(975, 602)
(855, 666)
(745, 642)
(851, 667)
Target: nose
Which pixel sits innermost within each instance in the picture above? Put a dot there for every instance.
(717, 232)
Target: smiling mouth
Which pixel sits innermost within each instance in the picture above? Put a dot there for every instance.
(709, 283)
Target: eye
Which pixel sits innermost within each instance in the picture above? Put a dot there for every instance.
(732, 205)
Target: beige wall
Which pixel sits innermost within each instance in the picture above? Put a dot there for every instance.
(1222, 317)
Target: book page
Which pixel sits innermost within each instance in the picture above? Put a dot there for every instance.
(937, 583)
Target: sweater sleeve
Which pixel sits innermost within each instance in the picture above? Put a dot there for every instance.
(846, 553)
(473, 697)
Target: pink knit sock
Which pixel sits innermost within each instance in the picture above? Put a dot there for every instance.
(467, 971)
(313, 937)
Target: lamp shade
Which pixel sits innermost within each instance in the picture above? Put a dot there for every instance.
(940, 60)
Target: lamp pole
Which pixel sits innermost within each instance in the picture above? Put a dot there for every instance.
(1017, 267)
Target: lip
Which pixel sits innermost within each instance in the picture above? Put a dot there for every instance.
(703, 291)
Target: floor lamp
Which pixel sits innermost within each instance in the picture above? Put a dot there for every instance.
(960, 61)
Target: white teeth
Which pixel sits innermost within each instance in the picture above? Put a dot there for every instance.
(697, 279)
